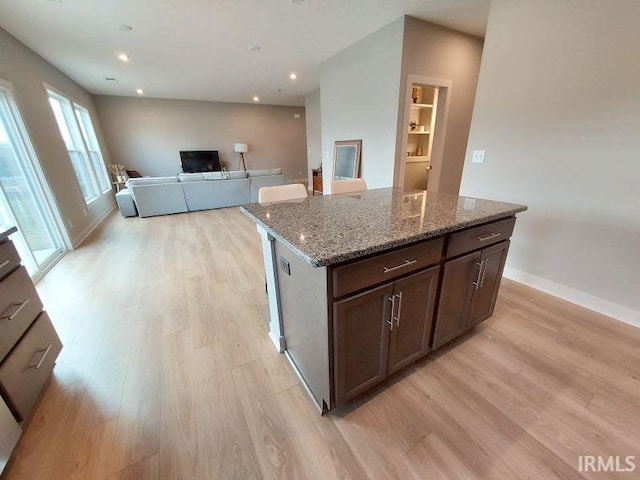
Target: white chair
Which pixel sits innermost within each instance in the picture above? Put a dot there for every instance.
(347, 186)
(278, 193)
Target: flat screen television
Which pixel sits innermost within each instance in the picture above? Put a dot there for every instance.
(200, 161)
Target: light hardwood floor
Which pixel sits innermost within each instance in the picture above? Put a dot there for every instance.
(167, 373)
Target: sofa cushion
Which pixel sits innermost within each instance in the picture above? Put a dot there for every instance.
(151, 180)
(238, 174)
(265, 171)
(190, 177)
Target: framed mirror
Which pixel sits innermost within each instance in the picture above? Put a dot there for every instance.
(346, 159)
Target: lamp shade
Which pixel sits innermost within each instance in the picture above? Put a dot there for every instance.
(240, 147)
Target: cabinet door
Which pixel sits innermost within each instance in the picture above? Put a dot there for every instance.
(361, 339)
(485, 294)
(413, 318)
(455, 297)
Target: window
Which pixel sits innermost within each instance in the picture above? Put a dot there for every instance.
(80, 139)
(25, 200)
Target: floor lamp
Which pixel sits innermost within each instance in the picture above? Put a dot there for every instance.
(241, 148)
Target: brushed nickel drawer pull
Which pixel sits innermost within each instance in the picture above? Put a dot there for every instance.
(406, 263)
(4, 264)
(393, 307)
(44, 355)
(7, 316)
(399, 308)
(488, 236)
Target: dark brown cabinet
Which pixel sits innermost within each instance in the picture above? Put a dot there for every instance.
(382, 330)
(470, 287)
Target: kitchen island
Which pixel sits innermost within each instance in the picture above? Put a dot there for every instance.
(362, 285)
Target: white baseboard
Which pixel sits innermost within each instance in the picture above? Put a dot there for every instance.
(605, 307)
(82, 236)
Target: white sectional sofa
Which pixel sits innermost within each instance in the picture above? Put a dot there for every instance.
(188, 192)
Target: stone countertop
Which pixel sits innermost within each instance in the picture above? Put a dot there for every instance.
(5, 232)
(324, 230)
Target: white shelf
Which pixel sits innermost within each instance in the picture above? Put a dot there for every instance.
(421, 105)
(419, 133)
(417, 159)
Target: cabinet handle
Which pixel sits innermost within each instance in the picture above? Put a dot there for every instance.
(4, 264)
(399, 308)
(478, 282)
(44, 355)
(7, 316)
(488, 236)
(484, 271)
(406, 263)
(393, 307)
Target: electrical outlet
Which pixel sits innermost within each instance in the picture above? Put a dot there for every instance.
(70, 223)
(296, 115)
(284, 266)
(478, 156)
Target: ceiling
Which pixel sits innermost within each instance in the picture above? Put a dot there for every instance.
(201, 49)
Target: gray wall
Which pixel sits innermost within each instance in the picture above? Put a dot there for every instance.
(558, 110)
(438, 52)
(26, 71)
(314, 131)
(359, 100)
(147, 134)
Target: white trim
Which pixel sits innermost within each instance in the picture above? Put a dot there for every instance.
(82, 236)
(597, 304)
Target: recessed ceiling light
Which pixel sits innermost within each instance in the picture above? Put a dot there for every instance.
(293, 76)
(139, 91)
(254, 48)
(123, 27)
(256, 98)
(123, 57)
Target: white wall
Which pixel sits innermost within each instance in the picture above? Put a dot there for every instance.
(558, 111)
(26, 71)
(147, 134)
(314, 131)
(359, 100)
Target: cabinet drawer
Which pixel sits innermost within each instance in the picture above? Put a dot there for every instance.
(27, 369)
(364, 273)
(19, 305)
(9, 258)
(480, 237)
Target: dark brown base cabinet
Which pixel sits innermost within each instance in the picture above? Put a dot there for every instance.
(470, 287)
(382, 330)
(348, 326)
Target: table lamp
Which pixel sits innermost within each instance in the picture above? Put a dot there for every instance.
(241, 148)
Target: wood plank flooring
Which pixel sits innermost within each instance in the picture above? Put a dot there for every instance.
(168, 373)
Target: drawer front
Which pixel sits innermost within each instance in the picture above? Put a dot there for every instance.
(9, 258)
(480, 237)
(27, 369)
(19, 306)
(364, 273)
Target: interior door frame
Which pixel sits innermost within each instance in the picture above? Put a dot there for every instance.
(442, 117)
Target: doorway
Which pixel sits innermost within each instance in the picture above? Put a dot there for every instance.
(24, 200)
(419, 162)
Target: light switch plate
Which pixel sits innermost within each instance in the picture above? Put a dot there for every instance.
(478, 156)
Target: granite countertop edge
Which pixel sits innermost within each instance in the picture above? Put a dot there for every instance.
(352, 255)
(4, 234)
